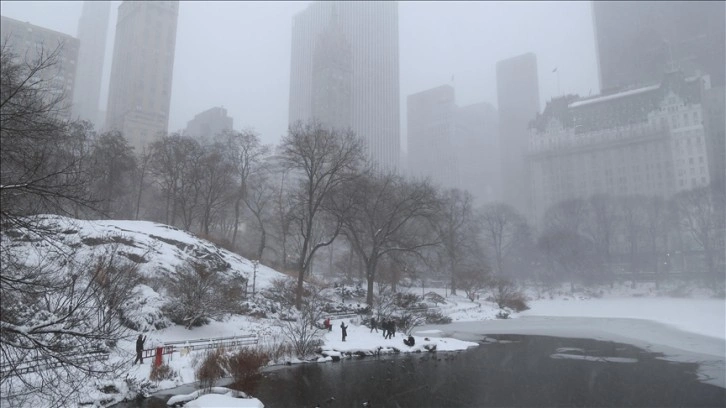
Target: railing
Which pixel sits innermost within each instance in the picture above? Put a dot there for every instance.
(206, 344)
(47, 363)
(169, 348)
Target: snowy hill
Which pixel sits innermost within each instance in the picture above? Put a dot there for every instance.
(156, 248)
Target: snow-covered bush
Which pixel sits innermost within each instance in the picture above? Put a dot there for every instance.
(506, 295)
(143, 311)
(244, 366)
(199, 292)
(211, 368)
(161, 372)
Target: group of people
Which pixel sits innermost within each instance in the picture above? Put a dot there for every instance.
(388, 326)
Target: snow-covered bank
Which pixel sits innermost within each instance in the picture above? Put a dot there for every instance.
(684, 330)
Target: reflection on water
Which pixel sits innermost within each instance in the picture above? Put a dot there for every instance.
(503, 371)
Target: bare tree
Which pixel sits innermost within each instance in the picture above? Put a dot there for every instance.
(602, 227)
(657, 224)
(503, 227)
(282, 208)
(41, 167)
(171, 156)
(321, 160)
(216, 178)
(258, 200)
(632, 213)
(563, 240)
(457, 229)
(112, 164)
(144, 162)
(701, 213)
(60, 316)
(382, 214)
(245, 152)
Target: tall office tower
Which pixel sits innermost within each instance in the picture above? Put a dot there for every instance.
(477, 150)
(518, 98)
(209, 123)
(344, 72)
(92, 28)
(644, 141)
(454, 146)
(27, 40)
(638, 41)
(431, 136)
(141, 73)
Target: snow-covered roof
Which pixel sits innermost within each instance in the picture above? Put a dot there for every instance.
(610, 97)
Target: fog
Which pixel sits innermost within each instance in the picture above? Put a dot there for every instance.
(237, 54)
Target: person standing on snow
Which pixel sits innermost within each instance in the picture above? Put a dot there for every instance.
(343, 329)
(374, 325)
(140, 349)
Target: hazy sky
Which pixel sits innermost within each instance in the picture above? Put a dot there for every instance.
(237, 54)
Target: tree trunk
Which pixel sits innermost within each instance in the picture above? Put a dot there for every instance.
(236, 220)
(370, 277)
(263, 242)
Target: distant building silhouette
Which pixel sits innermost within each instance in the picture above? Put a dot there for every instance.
(431, 133)
(639, 41)
(453, 146)
(92, 29)
(141, 73)
(518, 104)
(649, 140)
(477, 147)
(27, 40)
(209, 123)
(345, 72)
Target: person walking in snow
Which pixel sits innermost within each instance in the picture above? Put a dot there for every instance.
(343, 330)
(374, 325)
(327, 324)
(384, 326)
(392, 329)
(140, 349)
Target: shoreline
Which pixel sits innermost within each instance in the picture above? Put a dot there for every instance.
(675, 344)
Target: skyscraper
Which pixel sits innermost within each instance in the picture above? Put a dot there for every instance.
(141, 73)
(431, 136)
(454, 146)
(344, 72)
(638, 41)
(27, 40)
(477, 148)
(92, 28)
(209, 123)
(518, 99)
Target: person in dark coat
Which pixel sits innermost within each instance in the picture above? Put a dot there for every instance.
(343, 330)
(140, 349)
(384, 326)
(410, 341)
(374, 325)
(391, 328)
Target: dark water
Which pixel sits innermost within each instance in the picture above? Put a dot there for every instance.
(518, 371)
